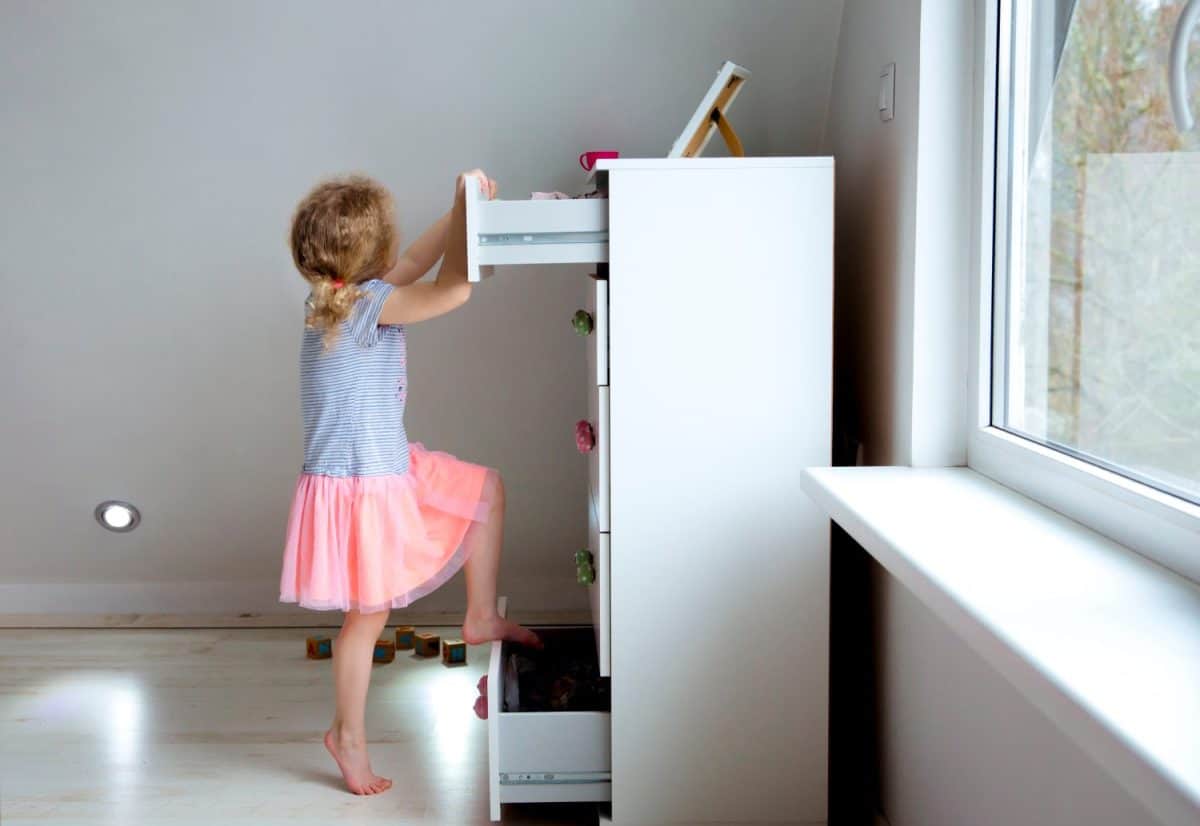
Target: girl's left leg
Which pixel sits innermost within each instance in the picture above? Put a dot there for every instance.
(347, 737)
(483, 543)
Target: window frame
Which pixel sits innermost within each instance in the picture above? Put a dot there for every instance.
(1157, 525)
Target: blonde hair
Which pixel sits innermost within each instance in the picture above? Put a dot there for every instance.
(343, 231)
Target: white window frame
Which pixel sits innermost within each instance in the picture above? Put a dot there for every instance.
(1157, 525)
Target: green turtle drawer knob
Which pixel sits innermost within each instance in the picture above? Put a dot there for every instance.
(582, 322)
(585, 571)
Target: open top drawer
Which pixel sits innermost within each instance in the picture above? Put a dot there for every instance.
(533, 232)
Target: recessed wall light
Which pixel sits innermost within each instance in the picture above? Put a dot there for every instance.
(120, 517)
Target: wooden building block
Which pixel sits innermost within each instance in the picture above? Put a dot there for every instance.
(404, 637)
(426, 644)
(319, 648)
(385, 651)
(454, 652)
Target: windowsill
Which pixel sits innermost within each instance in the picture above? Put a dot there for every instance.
(1103, 641)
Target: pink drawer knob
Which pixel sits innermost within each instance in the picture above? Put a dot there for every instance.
(585, 436)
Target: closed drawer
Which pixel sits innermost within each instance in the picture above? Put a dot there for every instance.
(533, 232)
(597, 317)
(537, 755)
(598, 456)
(600, 591)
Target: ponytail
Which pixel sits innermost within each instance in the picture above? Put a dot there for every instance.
(329, 306)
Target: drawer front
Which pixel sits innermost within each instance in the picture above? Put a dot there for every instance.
(598, 457)
(597, 350)
(544, 756)
(554, 748)
(533, 232)
(600, 590)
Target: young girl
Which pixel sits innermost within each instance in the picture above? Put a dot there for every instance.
(378, 522)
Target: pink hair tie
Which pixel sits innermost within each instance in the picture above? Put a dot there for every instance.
(338, 283)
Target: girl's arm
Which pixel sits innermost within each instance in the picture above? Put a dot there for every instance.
(421, 254)
(450, 290)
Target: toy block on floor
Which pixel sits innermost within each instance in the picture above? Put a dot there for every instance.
(318, 648)
(385, 651)
(426, 644)
(454, 652)
(404, 637)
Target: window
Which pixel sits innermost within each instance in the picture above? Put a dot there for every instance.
(1096, 328)
(1088, 311)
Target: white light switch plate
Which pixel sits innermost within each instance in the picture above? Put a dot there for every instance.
(887, 92)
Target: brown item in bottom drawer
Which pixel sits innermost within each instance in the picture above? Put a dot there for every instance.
(563, 676)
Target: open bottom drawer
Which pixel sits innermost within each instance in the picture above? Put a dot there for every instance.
(538, 755)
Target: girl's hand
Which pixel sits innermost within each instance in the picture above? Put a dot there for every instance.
(487, 186)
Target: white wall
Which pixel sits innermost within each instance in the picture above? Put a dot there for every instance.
(959, 745)
(901, 276)
(955, 744)
(875, 239)
(150, 157)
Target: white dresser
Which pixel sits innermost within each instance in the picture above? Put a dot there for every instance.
(709, 373)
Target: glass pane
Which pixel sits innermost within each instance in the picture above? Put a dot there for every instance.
(1100, 328)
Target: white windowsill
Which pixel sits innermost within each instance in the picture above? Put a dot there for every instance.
(1103, 641)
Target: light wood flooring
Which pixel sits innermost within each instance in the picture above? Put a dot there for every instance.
(223, 726)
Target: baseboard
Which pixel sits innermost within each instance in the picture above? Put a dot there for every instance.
(306, 619)
(222, 605)
(212, 597)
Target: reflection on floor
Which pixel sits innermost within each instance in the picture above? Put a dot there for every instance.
(138, 727)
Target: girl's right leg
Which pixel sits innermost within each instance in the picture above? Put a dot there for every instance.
(347, 737)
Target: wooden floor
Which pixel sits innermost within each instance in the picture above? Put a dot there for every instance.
(223, 726)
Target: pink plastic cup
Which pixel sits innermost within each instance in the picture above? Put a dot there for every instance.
(588, 159)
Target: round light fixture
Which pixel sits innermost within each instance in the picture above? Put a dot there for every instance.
(120, 517)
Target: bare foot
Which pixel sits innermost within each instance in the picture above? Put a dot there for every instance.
(351, 758)
(476, 631)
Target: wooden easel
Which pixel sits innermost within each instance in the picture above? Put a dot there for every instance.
(710, 116)
(726, 129)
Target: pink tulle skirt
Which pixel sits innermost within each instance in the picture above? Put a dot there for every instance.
(372, 543)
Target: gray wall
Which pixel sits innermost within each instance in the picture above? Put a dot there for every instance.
(953, 742)
(150, 157)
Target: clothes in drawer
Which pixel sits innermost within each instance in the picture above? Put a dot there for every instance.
(596, 433)
(594, 320)
(548, 737)
(533, 232)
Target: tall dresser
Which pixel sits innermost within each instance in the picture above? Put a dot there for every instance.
(709, 380)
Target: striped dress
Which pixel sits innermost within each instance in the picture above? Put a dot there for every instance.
(375, 522)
